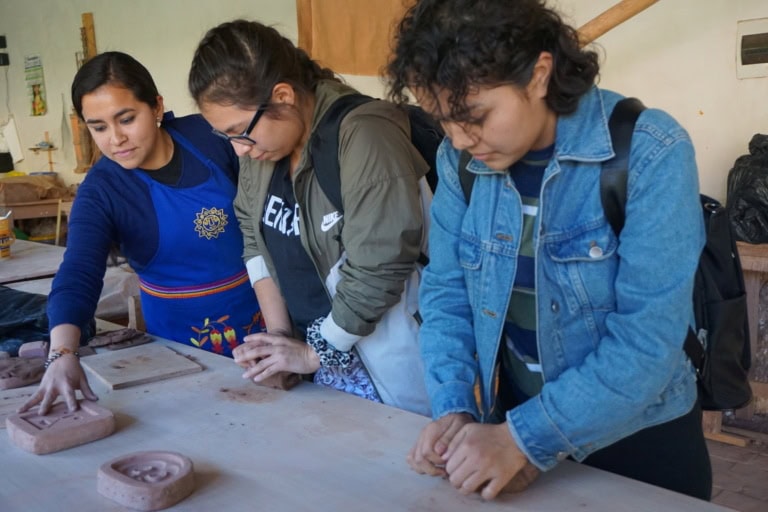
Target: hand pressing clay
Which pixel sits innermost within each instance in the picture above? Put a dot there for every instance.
(17, 372)
(151, 480)
(59, 429)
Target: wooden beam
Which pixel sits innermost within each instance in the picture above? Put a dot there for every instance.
(610, 18)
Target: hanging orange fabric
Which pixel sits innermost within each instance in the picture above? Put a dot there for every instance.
(349, 36)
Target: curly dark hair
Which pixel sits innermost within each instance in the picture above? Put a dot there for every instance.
(240, 61)
(457, 45)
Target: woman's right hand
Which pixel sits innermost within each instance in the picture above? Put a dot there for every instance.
(63, 377)
(426, 456)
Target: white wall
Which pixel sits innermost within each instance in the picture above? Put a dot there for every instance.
(679, 55)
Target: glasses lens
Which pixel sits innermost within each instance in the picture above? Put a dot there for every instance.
(242, 139)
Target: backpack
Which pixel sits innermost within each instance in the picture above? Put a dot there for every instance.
(719, 348)
(426, 136)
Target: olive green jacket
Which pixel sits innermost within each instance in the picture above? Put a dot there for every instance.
(366, 256)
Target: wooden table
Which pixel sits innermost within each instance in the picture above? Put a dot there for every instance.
(34, 209)
(310, 448)
(30, 260)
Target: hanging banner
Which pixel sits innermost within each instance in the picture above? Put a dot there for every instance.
(33, 74)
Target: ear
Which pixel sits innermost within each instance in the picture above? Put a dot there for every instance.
(284, 93)
(160, 108)
(542, 72)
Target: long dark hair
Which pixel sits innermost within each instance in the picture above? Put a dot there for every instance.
(114, 68)
(455, 45)
(239, 62)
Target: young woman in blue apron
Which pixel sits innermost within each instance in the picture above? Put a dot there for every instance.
(162, 193)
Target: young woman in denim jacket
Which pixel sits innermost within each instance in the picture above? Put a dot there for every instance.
(527, 284)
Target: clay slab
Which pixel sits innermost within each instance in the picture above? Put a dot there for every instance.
(17, 372)
(138, 340)
(59, 429)
(123, 338)
(151, 480)
(139, 365)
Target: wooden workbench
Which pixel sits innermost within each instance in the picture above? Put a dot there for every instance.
(310, 448)
(754, 262)
(30, 260)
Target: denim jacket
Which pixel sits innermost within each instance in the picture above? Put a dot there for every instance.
(612, 312)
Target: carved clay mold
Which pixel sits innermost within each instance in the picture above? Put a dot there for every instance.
(151, 480)
(59, 429)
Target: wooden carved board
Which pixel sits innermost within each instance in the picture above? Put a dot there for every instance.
(139, 365)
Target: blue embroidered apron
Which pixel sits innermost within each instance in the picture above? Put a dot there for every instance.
(196, 289)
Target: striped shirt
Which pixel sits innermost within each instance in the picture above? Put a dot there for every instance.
(520, 355)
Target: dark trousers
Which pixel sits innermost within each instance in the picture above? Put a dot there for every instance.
(672, 455)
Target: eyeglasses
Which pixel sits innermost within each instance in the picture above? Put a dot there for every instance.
(244, 138)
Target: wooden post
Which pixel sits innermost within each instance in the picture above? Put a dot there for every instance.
(86, 151)
(89, 36)
(611, 17)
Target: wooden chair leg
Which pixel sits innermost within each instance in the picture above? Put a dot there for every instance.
(58, 224)
(712, 424)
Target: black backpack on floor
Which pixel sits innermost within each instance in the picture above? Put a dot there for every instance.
(719, 347)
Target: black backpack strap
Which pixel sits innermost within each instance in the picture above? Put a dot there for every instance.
(613, 177)
(466, 178)
(324, 146)
(613, 191)
(695, 351)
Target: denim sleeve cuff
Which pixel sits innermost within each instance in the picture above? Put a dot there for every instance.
(453, 397)
(337, 336)
(257, 269)
(538, 437)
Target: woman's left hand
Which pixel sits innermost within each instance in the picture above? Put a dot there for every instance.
(264, 354)
(485, 459)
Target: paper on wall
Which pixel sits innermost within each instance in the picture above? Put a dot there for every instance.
(11, 137)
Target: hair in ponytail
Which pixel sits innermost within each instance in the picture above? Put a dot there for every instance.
(239, 62)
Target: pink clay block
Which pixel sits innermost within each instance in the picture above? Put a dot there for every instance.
(151, 480)
(59, 429)
(34, 349)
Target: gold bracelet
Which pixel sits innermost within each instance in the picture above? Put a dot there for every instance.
(55, 354)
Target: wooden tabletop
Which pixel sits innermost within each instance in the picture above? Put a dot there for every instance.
(30, 260)
(310, 448)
